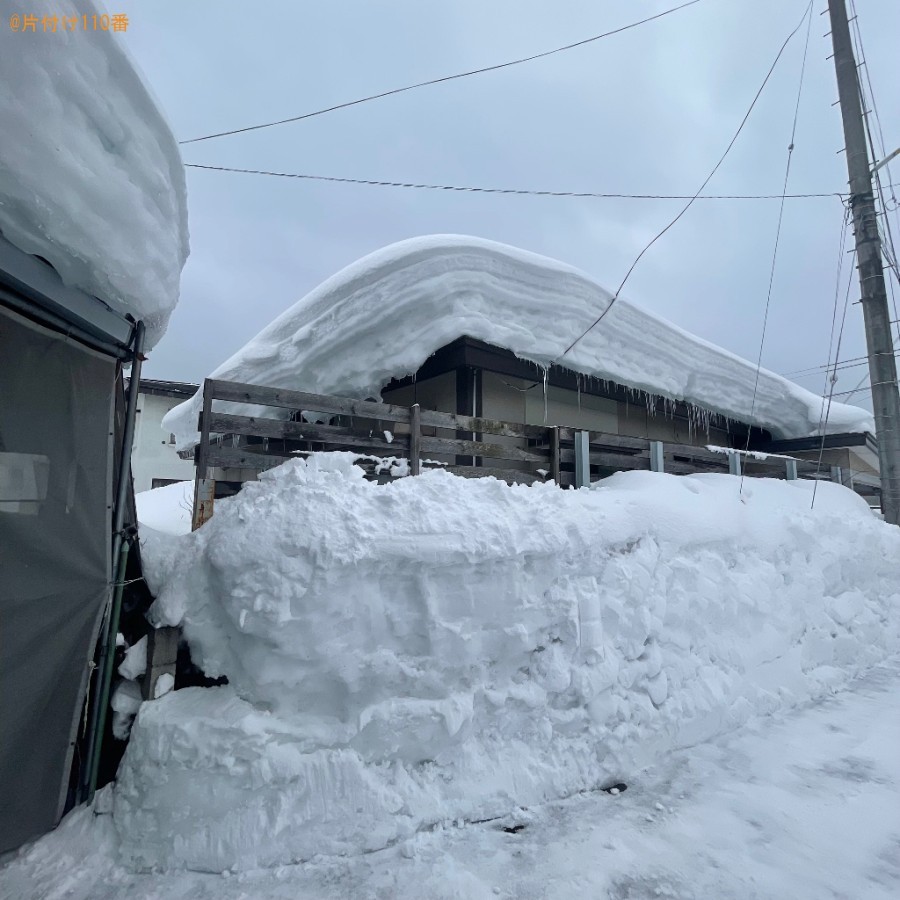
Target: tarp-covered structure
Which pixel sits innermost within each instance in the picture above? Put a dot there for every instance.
(93, 237)
(58, 445)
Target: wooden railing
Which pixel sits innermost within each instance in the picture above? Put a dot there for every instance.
(473, 446)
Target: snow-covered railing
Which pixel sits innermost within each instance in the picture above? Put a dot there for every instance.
(414, 431)
(473, 446)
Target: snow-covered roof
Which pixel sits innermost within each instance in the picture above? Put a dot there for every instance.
(383, 316)
(90, 175)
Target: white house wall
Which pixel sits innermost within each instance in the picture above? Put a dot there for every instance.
(153, 453)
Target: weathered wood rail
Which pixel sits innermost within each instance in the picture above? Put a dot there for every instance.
(511, 451)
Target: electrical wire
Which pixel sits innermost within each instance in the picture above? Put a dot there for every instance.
(859, 389)
(823, 421)
(852, 363)
(691, 201)
(787, 175)
(845, 224)
(517, 191)
(444, 78)
(857, 31)
(879, 151)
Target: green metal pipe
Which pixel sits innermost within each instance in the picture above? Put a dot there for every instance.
(106, 669)
(118, 539)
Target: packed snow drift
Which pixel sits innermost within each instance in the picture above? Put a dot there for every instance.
(90, 175)
(438, 648)
(167, 509)
(383, 316)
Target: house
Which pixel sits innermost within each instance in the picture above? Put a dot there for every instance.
(154, 460)
(472, 327)
(92, 242)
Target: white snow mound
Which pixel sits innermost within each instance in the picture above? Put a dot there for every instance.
(439, 648)
(383, 316)
(168, 508)
(90, 175)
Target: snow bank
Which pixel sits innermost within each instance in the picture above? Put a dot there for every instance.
(90, 175)
(167, 509)
(383, 316)
(438, 648)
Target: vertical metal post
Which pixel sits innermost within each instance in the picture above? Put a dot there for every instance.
(734, 463)
(415, 439)
(582, 459)
(873, 296)
(96, 705)
(790, 466)
(657, 460)
(554, 453)
(105, 673)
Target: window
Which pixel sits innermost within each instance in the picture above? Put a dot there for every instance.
(23, 482)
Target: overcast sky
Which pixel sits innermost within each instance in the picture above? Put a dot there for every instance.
(646, 111)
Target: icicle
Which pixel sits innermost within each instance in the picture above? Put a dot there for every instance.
(546, 373)
(578, 387)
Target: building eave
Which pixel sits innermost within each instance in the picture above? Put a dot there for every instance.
(33, 287)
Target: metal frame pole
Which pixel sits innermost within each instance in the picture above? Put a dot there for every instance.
(104, 669)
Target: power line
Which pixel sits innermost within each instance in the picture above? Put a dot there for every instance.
(823, 419)
(787, 175)
(690, 202)
(514, 191)
(444, 78)
(853, 363)
(887, 236)
(859, 389)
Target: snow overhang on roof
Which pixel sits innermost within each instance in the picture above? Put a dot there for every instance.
(383, 316)
(91, 178)
(33, 287)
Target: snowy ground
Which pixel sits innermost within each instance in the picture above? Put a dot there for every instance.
(166, 509)
(427, 694)
(801, 805)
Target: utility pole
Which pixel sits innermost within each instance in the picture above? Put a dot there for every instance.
(882, 366)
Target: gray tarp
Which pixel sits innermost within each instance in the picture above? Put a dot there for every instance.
(56, 402)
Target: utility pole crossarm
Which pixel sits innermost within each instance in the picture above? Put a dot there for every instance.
(873, 294)
(885, 161)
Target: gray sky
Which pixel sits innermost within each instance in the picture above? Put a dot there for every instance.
(647, 111)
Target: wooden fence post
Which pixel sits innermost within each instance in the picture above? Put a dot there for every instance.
(204, 487)
(204, 501)
(554, 454)
(582, 459)
(657, 463)
(162, 655)
(415, 439)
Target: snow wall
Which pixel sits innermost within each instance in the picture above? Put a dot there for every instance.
(439, 648)
(383, 316)
(91, 177)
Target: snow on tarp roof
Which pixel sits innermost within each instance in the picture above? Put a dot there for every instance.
(90, 175)
(383, 316)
